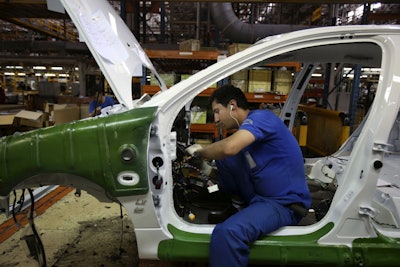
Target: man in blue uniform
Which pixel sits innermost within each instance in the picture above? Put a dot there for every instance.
(261, 163)
(99, 102)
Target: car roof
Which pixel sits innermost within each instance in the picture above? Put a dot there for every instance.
(366, 53)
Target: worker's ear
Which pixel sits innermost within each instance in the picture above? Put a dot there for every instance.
(232, 104)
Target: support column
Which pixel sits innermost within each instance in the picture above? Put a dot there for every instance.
(82, 77)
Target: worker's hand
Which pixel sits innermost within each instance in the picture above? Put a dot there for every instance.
(192, 149)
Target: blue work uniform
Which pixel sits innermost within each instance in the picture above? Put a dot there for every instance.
(108, 101)
(269, 176)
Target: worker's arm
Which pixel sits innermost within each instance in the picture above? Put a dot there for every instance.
(227, 147)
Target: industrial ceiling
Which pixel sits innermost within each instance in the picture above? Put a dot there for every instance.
(27, 26)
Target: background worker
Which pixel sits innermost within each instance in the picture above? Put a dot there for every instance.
(261, 163)
(99, 102)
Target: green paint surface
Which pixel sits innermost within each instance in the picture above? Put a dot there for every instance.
(296, 250)
(86, 149)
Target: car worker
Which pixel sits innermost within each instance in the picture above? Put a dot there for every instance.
(99, 101)
(262, 163)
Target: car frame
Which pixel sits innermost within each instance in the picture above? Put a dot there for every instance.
(126, 155)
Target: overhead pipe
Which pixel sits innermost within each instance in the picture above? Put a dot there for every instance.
(241, 32)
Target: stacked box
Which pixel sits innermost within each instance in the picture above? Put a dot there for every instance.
(259, 80)
(237, 47)
(282, 81)
(168, 78)
(31, 118)
(190, 45)
(7, 119)
(198, 117)
(240, 80)
(62, 113)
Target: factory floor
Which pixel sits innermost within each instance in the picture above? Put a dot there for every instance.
(75, 231)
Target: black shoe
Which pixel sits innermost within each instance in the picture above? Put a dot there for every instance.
(219, 216)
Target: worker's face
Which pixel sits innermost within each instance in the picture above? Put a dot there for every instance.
(223, 116)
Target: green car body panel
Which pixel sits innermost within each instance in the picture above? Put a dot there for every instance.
(92, 149)
(297, 250)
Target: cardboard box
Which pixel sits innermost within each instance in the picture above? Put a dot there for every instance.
(240, 80)
(84, 108)
(190, 45)
(198, 117)
(168, 78)
(283, 76)
(31, 118)
(259, 81)
(237, 47)
(67, 114)
(62, 113)
(241, 84)
(282, 87)
(7, 119)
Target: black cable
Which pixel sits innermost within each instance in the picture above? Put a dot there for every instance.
(122, 229)
(21, 202)
(96, 103)
(41, 251)
(13, 208)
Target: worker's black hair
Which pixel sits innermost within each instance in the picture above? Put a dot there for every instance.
(226, 93)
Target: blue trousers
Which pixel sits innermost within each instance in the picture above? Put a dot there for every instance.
(230, 239)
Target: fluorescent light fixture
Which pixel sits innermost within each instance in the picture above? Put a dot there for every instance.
(375, 6)
(14, 67)
(49, 74)
(371, 69)
(38, 74)
(9, 73)
(316, 75)
(56, 68)
(39, 67)
(21, 74)
(63, 75)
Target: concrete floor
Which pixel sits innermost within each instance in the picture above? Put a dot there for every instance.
(75, 231)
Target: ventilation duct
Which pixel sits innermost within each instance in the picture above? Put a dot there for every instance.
(240, 32)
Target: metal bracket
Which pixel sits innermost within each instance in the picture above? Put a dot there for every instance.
(370, 212)
(381, 147)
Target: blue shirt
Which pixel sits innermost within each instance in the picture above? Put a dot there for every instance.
(272, 166)
(108, 101)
